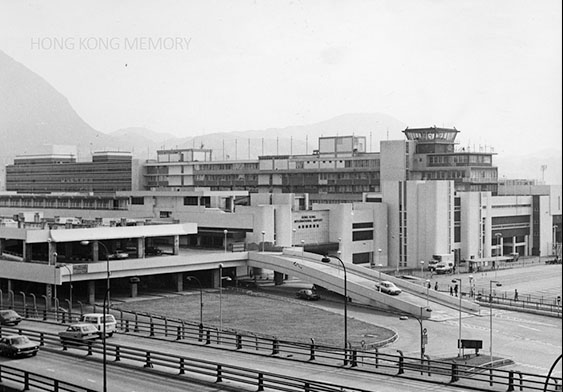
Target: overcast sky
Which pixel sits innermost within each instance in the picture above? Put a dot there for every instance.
(490, 68)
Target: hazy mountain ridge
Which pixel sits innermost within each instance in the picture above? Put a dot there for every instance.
(33, 113)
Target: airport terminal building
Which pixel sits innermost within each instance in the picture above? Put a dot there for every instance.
(394, 208)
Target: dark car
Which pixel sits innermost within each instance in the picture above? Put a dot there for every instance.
(18, 346)
(79, 333)
(9, 317)
(152, 251)
(308, 295)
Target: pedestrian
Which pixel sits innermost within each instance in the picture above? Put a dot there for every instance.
(429, 284)
(455, 289)
(436, 286)
(451, 291)
(515, 294)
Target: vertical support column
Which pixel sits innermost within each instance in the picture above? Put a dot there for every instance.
(513, 244)
(141, 247)
(27, 253)
(278, 278)
(134, 288)
(526, 249)
(91, 292)
(1, 245)
(176, 249)
(179, 281)
(215, 277)
(95, 251)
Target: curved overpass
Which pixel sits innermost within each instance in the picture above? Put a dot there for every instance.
(360, 283)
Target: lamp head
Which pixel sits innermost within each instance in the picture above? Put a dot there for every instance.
(325, 259)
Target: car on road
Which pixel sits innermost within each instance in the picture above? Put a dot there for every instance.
(79, 333)
(9, 317)
(308, 295)
(97, 319)
(388, 288)
(18, 346)
(446, 267)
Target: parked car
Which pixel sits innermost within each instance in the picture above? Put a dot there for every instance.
(18, 346)
(79, 333)
(388, 288)
(97, 319)
(152, 251)
(308, 295)
(9, 317)
(118, 255)
(445, 267)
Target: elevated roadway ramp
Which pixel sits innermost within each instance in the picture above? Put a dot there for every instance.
(309, 267)
(360, 284)
(443, 305)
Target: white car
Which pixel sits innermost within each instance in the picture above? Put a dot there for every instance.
(97, 319)
(388, 288)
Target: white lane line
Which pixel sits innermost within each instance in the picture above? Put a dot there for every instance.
(90, 380)
(533, 329)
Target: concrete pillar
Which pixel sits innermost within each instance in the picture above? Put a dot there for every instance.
(27, 251)
(91, 292)
(95, 251)
(141, 248)
(179, 281)
(134, 288)
(49, 294)
(278, 278)
(52, 249)
(176, 248)
(9, 282)
(216, 278)
(1, 245)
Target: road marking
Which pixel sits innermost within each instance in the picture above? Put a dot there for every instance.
(90, 380)
(50, 370)
(533, 329)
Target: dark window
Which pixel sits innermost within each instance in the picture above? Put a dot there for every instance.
(362, 235)
(137, 200)
(364, 225)
(360, 258)
(206, 201)
(190, 201)
(165, 214)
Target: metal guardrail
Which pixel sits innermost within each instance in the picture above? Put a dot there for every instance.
(483, 378)
(10, 375)
(524, 303)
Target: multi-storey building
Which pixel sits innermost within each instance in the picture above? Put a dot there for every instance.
(340, 170)
(108, 172)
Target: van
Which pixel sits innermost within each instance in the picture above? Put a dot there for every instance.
(446, 267)
(97, 320)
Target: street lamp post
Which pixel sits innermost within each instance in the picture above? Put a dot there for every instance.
(263, 236)
(459, 336)
(220, 297)
(106, 298)
(491, 318)
(326, 259)
(225, 232)
(427, 289)
(379, 285)
(200, 299)
(422, 268)
(70, 287)
(423, 335)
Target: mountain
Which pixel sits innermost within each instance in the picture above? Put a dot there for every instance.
(33, 113)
